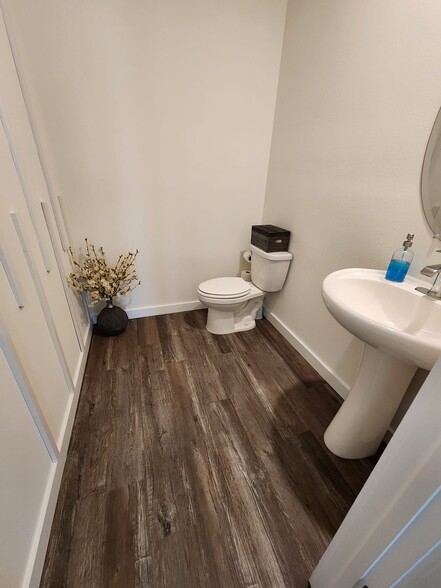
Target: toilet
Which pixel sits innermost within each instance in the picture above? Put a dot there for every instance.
(233, 302)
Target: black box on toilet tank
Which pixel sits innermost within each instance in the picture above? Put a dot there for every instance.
(270, 238)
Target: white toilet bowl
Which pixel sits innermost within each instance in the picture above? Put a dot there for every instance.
(232, 304)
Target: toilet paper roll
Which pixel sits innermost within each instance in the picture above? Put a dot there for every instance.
(246, 275)
(247, 255)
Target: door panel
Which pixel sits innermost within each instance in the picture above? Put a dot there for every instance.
(425, 575)
(25, 470)
(413, 553)
(68, 314)
(27, 325)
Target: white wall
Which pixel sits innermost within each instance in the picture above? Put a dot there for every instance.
(155, 119)
(359, 90)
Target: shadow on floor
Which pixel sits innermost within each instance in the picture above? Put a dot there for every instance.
(324, 485)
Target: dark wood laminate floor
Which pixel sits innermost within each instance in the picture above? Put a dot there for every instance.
(197, 461)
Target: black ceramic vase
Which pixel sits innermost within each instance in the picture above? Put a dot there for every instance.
(112, 320)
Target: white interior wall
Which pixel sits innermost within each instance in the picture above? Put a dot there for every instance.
(358, 93)
(155, 120)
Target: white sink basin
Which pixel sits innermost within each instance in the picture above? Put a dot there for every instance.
(390, 316)
(401, 329)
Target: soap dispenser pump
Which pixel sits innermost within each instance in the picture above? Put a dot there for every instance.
(400, 261)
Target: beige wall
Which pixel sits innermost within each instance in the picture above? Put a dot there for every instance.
(359, 90)
(155, 119)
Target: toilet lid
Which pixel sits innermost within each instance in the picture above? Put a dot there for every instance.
(225, 287)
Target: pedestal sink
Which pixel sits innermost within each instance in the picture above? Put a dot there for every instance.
(401, 329)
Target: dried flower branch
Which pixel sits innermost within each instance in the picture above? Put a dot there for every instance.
(100, 280)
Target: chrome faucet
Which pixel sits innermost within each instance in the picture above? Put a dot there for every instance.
(432, 271)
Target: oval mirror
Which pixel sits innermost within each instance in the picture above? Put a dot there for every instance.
(431, 179)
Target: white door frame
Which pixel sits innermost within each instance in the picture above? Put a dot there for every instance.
(405, 478)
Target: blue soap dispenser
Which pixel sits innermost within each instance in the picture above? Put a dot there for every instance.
(400, 261)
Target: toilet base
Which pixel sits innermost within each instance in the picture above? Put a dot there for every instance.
(222, 322)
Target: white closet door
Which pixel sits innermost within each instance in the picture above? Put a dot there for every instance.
(25, 471)
(67, 309)
(25, 319)
(426, 574)
(414, 556)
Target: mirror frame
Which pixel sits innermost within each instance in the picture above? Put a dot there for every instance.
(427, 205)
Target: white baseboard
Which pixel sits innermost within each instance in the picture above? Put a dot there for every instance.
(144, 311)
(163, 309)
(42, 533)
(340, 386)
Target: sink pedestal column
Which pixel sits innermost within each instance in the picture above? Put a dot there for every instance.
(362, 421)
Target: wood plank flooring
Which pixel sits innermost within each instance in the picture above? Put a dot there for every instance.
(197, 461)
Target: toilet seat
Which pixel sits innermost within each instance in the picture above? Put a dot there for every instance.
(225, 288)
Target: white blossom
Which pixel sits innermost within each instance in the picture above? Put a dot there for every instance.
(94, 276)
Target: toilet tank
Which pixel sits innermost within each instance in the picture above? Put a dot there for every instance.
(269, 270)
